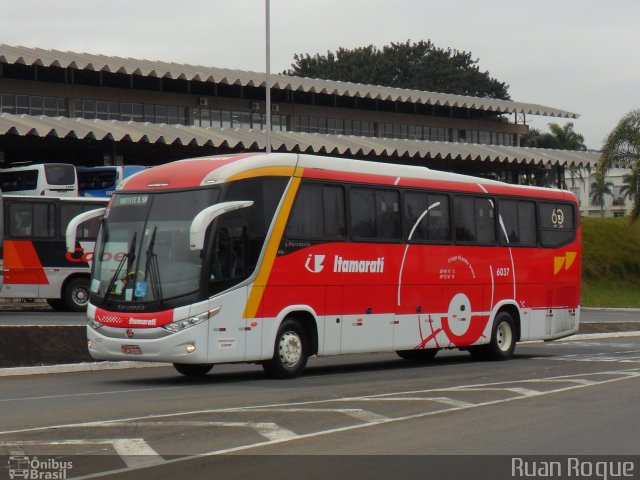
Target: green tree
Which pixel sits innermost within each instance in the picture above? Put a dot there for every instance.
(600, 187)
(631, 190)
(621, 149)
(413, 65)
(559, 137)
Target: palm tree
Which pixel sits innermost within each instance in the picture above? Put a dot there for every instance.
(622, 149)
(631, 190)
(566, 138)
(599, 188)
(559, 137)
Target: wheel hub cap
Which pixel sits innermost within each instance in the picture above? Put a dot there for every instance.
(290, 349)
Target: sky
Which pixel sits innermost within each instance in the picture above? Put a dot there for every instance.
(576, 55)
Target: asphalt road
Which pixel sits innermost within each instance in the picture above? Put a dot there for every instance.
(29, 315)
(564, 398)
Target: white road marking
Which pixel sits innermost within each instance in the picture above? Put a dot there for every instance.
(594, 378)
(135, 452)
(360, 414)
(451, 401)
(269, 430)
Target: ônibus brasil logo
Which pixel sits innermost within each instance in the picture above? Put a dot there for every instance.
(314, 264)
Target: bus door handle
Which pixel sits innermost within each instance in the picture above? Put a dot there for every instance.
(369, 310)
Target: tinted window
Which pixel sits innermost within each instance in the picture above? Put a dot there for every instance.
(434, 225)
(92, 180)
(474, 220)
(31, 220)
(318, 212)
(557, 223)
(306, 215)
(87, 230)
(21, 180)
(60, 174)
(335, 224)
(518, 218)
(375, 214)
(266, 193)
(362, 209)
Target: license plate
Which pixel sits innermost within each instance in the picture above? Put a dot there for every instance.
(131, 349)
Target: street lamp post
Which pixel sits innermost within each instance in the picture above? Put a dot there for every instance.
(268, 76)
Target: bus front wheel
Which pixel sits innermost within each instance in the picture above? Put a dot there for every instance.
(290, 353)
(76, 294)
(194, 370)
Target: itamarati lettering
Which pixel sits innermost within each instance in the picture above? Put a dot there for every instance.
(142, 321)
(341, 265)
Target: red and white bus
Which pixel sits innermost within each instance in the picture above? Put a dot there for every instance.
(33, 257)
(274, 258)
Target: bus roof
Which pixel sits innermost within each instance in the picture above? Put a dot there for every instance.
(196, 172)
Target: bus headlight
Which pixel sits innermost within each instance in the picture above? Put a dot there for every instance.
(181, 325)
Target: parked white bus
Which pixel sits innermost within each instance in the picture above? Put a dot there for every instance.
(44, 179)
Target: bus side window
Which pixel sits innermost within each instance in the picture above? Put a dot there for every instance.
(557, 223)
(44, 217)
(318, 212)
(20, 220)
(463, 209)
(374, 214)
(434, 226)
(518, 218)
(474, 220)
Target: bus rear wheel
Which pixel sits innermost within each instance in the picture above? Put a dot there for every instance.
(422, 355)
(194, 370)
(291, 351)
(76, 294)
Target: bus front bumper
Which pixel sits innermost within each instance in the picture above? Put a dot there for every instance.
(149, 344)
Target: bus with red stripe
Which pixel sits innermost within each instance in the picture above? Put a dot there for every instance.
(273, 258)
(35, 263)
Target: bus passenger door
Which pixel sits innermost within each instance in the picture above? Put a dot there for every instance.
(332, 321)
(229, 338)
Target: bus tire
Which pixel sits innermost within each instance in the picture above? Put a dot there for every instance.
(194, 370)
(291, 351)
(422, 355)
(503, 340)
(76, 294)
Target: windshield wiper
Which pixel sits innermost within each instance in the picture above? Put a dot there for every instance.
(152, 270)
(129, 257)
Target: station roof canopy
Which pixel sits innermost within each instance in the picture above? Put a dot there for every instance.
(244, 139)
(158, 69)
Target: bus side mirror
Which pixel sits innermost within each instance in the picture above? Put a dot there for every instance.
(70, 234)
(208, 215)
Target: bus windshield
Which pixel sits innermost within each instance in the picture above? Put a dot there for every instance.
(143, 248)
